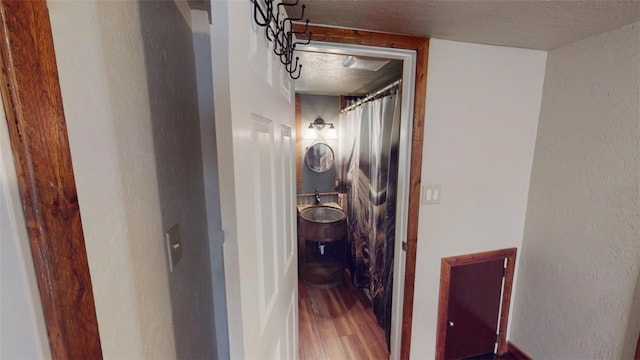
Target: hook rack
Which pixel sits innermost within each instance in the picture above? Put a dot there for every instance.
(269, 16)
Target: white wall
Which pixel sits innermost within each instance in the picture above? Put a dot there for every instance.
(480, 126)
(579, 288)
(22, 330)
(128, 84)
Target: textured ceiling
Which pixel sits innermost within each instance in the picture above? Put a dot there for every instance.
(538, 24)
(323, 74)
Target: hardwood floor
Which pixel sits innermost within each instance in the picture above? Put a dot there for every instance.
(335, 325)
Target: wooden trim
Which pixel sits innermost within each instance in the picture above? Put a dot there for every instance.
(515, 352)
(421, 46)
(342, 103)
(445, 282)
(35, 117)
(363, 37)
(299, 149)
(637, 357)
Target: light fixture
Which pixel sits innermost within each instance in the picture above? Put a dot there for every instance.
(348, 61)
(364, 63)
(332, 133)
(317, 125)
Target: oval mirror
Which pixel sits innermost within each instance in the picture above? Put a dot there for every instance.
(319, 157)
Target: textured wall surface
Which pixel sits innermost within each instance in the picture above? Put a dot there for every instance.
(581, 247)
(482, 111)
(129, 91)
(326, 107)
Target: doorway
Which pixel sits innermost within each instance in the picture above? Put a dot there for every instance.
(412, 51)
(473, 310)
(361, 183)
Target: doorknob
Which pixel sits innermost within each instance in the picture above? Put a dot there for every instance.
(451, 323)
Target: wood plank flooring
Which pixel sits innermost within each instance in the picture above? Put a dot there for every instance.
(335, 325)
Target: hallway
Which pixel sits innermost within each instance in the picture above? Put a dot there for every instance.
(335, 325)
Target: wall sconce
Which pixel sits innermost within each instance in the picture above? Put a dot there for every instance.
(317, 125)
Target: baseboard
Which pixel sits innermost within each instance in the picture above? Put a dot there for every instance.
(516, 352)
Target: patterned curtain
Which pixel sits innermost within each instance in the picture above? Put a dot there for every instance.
(368, 174)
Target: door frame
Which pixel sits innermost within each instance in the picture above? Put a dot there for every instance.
(637, 357)
(421, 46)
(445, 282)
(40, 146)
(408, 59)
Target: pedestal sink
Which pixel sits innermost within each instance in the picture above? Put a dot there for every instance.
(322, 232)
(323, 214)
(323, 223)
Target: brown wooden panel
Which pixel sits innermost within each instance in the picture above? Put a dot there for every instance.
(474, 306)
(37, 129)
(479, 257)
(506, 302)
(363, 322)
(362, 37)
(335, 325)
(338, 313)
(444, 302)
(353, 347)
(421, 46)
(310, 342)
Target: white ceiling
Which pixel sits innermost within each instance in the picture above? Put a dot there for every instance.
(533, 24)
(323, 74)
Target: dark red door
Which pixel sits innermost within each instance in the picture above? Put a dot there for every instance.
(474, 307)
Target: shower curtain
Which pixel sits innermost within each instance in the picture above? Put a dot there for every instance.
(368, 174)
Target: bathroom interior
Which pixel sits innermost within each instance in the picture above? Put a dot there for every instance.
(348, 120)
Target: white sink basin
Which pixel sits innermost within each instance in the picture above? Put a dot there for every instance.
(322, 214)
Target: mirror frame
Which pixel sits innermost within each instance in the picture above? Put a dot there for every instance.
(309, 161)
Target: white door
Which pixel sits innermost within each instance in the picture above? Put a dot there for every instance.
(254, 110)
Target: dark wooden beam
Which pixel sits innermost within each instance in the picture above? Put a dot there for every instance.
(37, 129)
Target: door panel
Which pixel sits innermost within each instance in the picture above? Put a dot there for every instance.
(254, 112)
(265, 213)
(474, 306)
(287, 166)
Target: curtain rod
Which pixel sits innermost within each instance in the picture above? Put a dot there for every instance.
(372, 95)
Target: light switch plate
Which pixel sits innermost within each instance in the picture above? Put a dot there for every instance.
(174, 247)
(431, 194)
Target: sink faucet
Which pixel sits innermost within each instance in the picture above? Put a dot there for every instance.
(317, 198)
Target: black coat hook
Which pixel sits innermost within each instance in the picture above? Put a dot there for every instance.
(307, 42)
(276, 32)
(265, 15)
(294, 77)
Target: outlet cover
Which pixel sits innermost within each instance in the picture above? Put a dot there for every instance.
(174, 247)
(431, 194)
